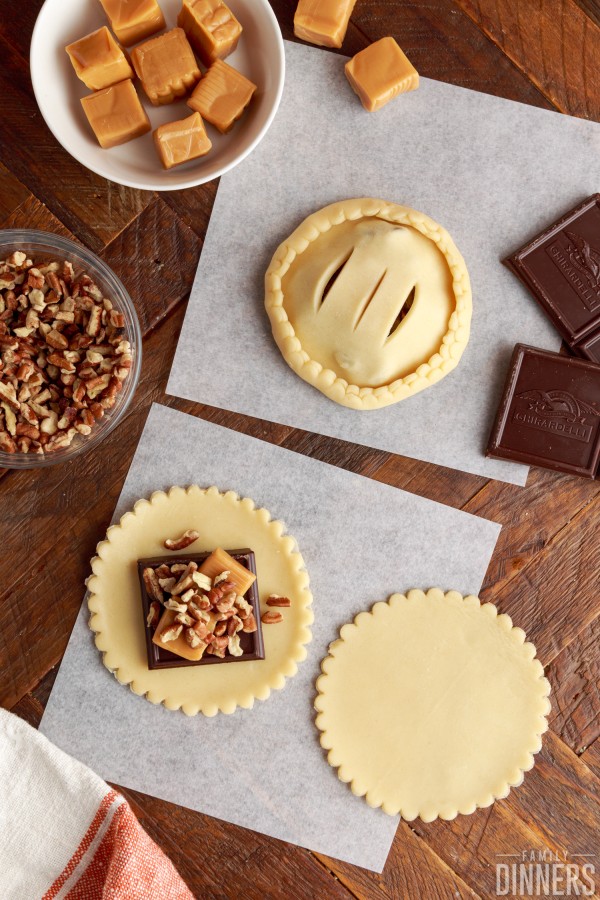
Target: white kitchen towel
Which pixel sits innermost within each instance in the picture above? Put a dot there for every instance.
(64, 833)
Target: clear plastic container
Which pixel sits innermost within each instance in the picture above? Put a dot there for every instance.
(44, 245)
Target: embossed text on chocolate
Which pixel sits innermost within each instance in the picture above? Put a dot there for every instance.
(572, 430)
(577, 263)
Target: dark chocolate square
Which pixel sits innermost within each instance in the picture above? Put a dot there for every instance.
(550, 413)
(561, 268)
(252, 644)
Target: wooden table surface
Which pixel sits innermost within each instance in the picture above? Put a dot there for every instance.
(545, 571)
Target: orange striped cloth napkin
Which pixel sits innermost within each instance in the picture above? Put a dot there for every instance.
(65, 834)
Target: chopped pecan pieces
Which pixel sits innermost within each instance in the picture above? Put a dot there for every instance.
(63, 355)
(212, 616)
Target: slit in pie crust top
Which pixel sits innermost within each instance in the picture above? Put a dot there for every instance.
(369, 302)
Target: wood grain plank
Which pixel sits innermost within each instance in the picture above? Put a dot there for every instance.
(473, 845)
(556, 808)
(532, 516)
(575, 678)
(556, 594)
(591, 758)
(591, 8)
(92, 208)
(560, 799)
(444, 43)
(553, 41)
(413, 870)
(227, 861)
(12, 192)
(194, 205)
(437, 483)
(156, 257)
(31, 213)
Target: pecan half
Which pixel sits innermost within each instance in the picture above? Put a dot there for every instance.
(180, 543)
(276, 600)
(152, 586)
(153, 617)
(271, 618)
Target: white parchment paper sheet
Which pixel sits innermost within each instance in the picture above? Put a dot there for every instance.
(492, 171)
(361, 541)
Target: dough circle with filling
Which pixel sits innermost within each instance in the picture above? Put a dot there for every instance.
(223, 520)
(431, 705)
(370, 302)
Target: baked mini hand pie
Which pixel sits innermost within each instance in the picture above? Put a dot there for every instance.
(370, 302)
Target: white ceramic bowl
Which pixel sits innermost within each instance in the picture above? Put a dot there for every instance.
(259, 56)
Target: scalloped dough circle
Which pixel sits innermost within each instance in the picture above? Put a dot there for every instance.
(225, 520)
(370, 302)
(432, 705)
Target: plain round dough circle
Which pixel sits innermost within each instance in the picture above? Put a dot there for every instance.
(431, 705)
(225, 520)
(340, 346)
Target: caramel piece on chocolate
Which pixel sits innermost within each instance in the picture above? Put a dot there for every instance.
(222, 95)
(380, 72)
(116, 114)
(219, 561)
(323, 22)
(166, 66)
(211, 27)
(178, 142)
(133, 20)
(98, 60)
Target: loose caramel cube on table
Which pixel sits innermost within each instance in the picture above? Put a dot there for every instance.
(380, 72)
(323, 22)
(178, 142)
(166, 66)
(133, 20)
(98, 60)
(222, 95)
(211, 27)
(116, 114)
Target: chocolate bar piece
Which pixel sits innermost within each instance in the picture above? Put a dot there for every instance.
(561, 268)
(251, 643)
(549, 415)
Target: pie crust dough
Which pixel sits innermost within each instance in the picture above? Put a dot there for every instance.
(225, 520)
(335, 290)
(432, 705)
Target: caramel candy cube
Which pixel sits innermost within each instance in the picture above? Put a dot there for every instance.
(219, 561)
(178, 142)
(116, 114)
(323, 22)
(222, 95)
(98, 60)
(180, 646)
(133, 20)
(166, 66)
(211, 27)
(380, 72)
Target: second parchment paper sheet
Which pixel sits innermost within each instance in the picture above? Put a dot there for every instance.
(263, 768)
